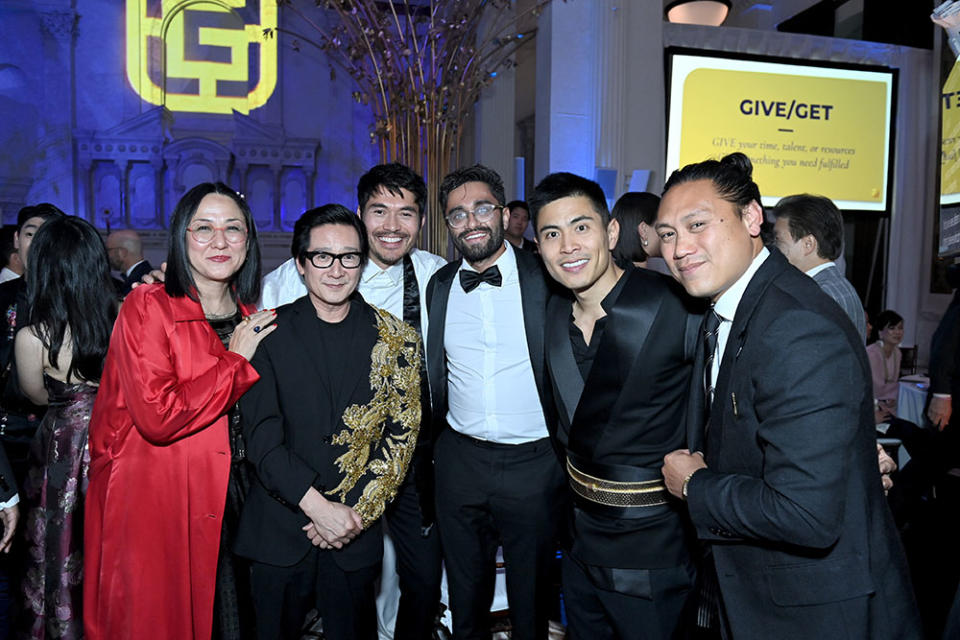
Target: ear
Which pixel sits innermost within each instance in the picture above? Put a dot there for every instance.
(16, 239)
(644, 230)
(752, 217)
(296, 261)
(505, 218)
(423, 219)
(809, 245)
(613, 233)
(359, 212)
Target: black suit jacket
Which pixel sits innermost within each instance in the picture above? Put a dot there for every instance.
(534, 292)
(791, 502)
(142, 269)
(629, 413)
(945, 353)
(290, 429)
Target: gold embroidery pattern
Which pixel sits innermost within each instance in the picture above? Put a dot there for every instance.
(386, 454)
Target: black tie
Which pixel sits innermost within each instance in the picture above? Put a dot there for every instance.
(470, 280)
(711, 326)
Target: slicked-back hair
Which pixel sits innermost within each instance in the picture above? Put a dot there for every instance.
(69, 288)
(567, 185)
(476, 173)
(815, 216)
(43, 210)
(629, 211)
(732, 177)
(245, 285)
(391, 178)
(327, 214)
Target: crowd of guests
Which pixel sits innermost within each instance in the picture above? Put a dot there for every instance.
(219, 455)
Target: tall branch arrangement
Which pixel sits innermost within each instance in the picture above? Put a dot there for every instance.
(420, 65)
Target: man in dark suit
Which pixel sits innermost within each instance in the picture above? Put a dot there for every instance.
(331, 427)
(620, 356)
(498, 479)
(125, 250)
(809, 233)
(782, 484)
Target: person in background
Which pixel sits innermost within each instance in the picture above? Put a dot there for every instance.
(126, 256)
(635, 212)
(9, 258)
(517, 226)
(165, 436)
(60, 356)
(884, 356)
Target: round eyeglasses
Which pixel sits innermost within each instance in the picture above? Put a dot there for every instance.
(458, 217)
(204, 233)
(324, 260)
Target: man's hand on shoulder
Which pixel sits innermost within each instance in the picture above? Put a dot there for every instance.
(157, 276)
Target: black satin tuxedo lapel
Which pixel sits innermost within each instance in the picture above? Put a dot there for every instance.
(626, 332)
(563, 365)
(533, 297)
(696, 407)
(438, 293)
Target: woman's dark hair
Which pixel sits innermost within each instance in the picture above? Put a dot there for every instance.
(327, 214)
(629, 211)
(69, 288)
(246, 282)
(886, 318)
(732, 177)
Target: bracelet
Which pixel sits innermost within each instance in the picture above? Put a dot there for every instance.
(686, 482)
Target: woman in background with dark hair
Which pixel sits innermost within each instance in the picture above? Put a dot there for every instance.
(636, 212)
(60, 356)
(885, 356)
(164, 432)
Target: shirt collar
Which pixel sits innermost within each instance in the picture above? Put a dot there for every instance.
(726, 305)
(373, 274)
(820, 267)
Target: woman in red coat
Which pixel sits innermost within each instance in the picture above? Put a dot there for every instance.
(160, 448)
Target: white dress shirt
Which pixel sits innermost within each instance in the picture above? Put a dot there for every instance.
(379, 287)
(726, 307)
(8, 274)
(820, 267)
(491, 391)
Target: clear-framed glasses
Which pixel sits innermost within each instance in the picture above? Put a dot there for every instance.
(458, 217)
(203, 232)
(324, 260)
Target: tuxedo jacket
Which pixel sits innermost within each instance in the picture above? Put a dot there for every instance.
(534, 292)
(295, 439)
(628, 414)
(142, 269)
(791, 501)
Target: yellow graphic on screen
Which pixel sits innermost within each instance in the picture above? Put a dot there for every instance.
(950, 141)
(204, 56)
(803, 134)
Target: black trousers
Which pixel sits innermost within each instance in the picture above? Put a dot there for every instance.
(419, 563)
(597, 613)
(488, 495)
(283, 596)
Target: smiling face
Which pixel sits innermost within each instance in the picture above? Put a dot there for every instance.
(702, 239)
(481, 243)
(575, 246)
(393, 225)
(519, 218)
(218, 260)
(330, 288)
(891, 335)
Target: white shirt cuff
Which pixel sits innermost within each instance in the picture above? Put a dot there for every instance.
(11, 502)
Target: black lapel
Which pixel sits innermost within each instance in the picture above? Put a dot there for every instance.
(533, 298)
(563, 366)
(627, 330)
(438, 293)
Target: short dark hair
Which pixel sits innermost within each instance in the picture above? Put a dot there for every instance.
(463, 175)
(179, 282)
(521, 204)
(732, 177)
(566, 185)
(43, 210)
(886, 318)
(392, 177)
(816, 216)
(629, 211)
(6, 244)
(327, 214)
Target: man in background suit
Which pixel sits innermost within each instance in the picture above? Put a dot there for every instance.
(782, 483)
(498, 477)
(620, 363)
(125, 250)
(809, 233)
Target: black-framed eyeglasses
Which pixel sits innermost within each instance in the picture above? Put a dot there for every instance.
(324, 260)
(482, 213)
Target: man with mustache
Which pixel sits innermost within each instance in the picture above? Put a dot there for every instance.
(392, 204)
(499, 480)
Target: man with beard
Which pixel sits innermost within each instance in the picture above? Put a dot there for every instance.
(391, 202)
(499, 480)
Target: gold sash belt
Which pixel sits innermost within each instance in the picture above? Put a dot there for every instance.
(649, 493)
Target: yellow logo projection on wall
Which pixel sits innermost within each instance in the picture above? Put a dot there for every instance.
(205, 56)
(805, 129)
(950, 141)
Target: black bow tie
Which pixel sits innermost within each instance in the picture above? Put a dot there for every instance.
(470, 280)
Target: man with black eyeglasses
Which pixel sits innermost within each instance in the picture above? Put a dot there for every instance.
(499, 480)
(330, 428)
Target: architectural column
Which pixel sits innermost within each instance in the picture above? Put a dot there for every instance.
(125, 193)
(55, 142)
(495, 123)
(158, 193)
(610, 72)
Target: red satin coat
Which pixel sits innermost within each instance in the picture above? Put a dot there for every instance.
(159, 464)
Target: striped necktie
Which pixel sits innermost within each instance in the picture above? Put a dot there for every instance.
(711, 326)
